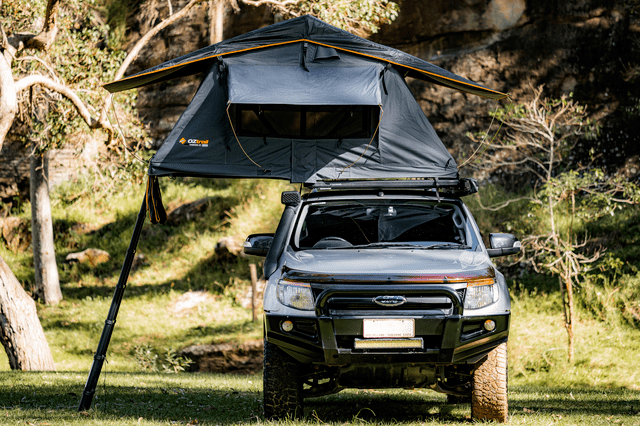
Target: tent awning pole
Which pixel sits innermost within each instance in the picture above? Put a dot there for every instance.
(98, 359)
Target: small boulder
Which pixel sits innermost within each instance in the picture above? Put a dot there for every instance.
(90, 256)
(228, 248)
(15, 233)
(188, 211)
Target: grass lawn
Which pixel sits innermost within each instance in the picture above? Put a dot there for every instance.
(601, 386)
(153, 399)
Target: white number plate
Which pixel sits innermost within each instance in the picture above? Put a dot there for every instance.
(375, 328)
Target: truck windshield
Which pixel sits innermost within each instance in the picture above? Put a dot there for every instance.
(381, 224)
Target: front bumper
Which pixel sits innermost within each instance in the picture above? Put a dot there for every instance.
(448, 335)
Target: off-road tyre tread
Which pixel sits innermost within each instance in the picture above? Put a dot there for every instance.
(282, 387)
(490, 387)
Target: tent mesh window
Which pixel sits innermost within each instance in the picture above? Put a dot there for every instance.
(305, 121)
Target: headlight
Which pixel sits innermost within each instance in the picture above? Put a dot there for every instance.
(481, 293)
(296, 295)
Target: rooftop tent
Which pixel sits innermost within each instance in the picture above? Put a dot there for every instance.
(319, 40)
(346, 117)
(302, 101)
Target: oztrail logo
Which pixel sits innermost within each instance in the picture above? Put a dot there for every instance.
(194, 142)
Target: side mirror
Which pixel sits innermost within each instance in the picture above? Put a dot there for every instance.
(503, 245)
(258, 244)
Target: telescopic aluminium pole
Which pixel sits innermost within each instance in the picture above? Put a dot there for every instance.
(98, 359)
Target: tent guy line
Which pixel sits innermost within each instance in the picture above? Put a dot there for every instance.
(369, 144)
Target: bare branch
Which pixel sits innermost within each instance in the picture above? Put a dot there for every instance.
(44, 64)
(506, 203)
(47, 36)
(133, 54)
(280, 4)
(67, 92)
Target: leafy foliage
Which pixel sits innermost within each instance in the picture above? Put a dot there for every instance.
(148, 360)
(82, 59)
(538, 140)
(358, 16)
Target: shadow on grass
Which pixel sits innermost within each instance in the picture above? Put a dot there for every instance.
(219, 329)
(225, 399)
(210, 274)
(114, 238)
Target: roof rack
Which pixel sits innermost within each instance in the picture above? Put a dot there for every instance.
(459, 187)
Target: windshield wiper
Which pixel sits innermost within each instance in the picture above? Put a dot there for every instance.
(383, 245)
(447, 246)
(388, 244)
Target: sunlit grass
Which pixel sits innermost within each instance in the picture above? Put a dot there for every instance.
(604, 355)
(154, 399)
(177, 258)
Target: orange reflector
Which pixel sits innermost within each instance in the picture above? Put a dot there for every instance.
(480, 281)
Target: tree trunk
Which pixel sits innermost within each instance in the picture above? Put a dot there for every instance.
(216, 21)
(570, 318)
(47, 283)
(8, 100)
(47, 36)
(20, 331)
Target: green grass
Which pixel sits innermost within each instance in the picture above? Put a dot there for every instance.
(154, 399)
(178, 258)
(605, 355)
(602, 386)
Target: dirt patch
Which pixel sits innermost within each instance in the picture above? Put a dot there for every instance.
(189, 303)
(245, 358)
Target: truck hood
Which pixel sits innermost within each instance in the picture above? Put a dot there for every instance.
(397, 262)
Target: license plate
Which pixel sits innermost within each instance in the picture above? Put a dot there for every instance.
(376, 328)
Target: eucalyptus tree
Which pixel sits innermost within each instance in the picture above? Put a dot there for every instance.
(50, 88)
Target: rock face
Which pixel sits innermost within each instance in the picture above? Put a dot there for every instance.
(64, 165)
(15, 233)
(588, 49)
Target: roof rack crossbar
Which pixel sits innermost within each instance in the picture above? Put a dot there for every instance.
(462, 186)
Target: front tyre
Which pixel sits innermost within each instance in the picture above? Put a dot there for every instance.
(282, 387)
(489, 387)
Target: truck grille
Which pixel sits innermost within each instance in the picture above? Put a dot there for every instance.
(370, 302)
(338, 305)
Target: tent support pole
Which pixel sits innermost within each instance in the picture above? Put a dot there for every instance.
(98, 359)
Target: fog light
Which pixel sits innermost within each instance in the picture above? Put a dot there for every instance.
(489, 325)
(287, 326)
(413, 343)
